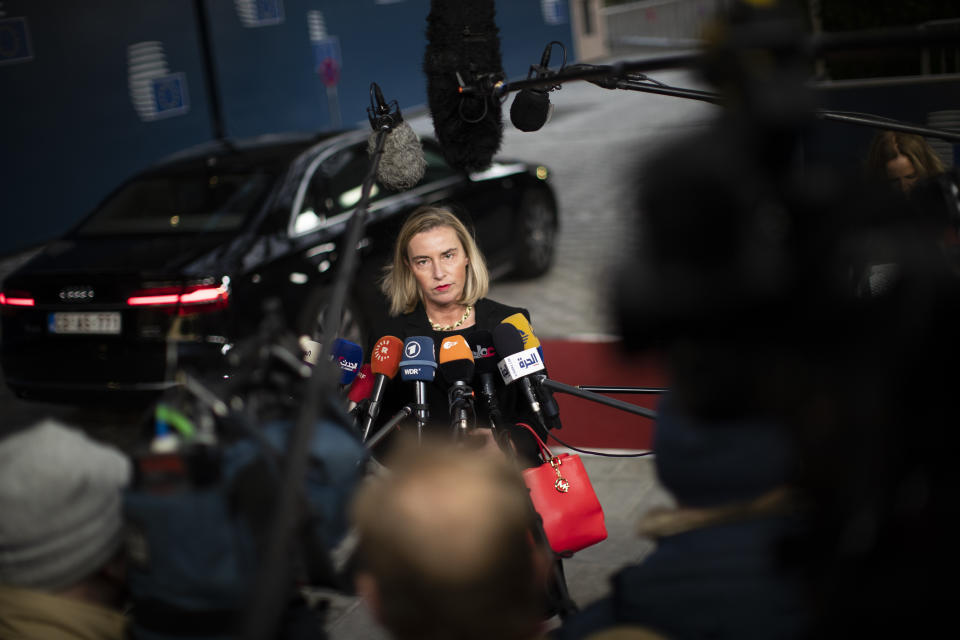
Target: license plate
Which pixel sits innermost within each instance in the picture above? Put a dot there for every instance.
(90, 322)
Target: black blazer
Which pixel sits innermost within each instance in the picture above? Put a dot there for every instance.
(512, 403)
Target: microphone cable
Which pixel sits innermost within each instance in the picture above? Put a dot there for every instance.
(599, 453)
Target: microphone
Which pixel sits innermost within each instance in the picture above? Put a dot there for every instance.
(402, 164)
(548, 402)
(464, 81)
(348, 356)
(456, 365)
(529, 339)
(311, 349)
(384, 362)
(531, 108)
(419, 365)
(485, 359)
(361, 388)
(517, 363)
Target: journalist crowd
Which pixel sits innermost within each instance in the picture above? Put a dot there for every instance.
(808, 320)
(806, 438)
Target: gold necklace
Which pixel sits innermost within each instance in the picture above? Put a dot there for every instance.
(449, 327)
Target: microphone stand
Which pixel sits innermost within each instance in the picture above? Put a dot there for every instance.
(635, 390)
(421, 408)
(744, 38)
(461, 397)
(404, 412)
(586, 395)
(495, 416)
(273, 586)
(642, 84)
(373, 410)
(628, 74)
(487, 390)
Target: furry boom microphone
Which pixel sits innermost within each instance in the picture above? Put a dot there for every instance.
(463, 68)
(402, 164)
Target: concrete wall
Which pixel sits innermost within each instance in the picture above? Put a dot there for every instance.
(590, 29)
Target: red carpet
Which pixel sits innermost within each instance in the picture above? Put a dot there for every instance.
(589, 424)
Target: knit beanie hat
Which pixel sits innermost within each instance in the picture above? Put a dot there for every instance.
(60, 510)
(713, 463)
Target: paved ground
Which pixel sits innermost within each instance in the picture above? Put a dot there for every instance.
(592, 146)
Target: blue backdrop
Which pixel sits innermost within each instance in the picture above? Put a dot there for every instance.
(91, 92)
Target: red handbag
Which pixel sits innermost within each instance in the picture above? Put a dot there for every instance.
(563, 496)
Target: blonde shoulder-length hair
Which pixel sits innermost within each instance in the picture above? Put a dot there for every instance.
(398, 283)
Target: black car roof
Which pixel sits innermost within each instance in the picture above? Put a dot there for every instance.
(260, 151)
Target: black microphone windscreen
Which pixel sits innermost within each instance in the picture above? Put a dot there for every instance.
(402, 164)
(463, 38)
(507, 340)
(530, 110)
(484, 353)
(457, 370)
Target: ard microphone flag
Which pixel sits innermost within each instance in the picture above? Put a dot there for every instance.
(418, 362)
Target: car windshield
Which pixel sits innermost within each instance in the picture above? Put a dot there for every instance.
(187, 202)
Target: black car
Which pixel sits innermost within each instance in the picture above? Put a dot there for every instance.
(177, 262)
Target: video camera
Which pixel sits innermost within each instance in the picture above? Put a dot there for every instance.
(204, 492)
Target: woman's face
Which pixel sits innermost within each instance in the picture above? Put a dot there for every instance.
(901, 173)
(439, 263)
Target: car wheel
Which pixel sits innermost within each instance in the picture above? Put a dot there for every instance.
(313, 319)
(536, 235)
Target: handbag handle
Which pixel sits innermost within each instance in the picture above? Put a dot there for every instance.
(561, 484)
(544, 450)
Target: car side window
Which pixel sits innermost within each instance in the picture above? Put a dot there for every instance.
(315, 207)
(335, 188)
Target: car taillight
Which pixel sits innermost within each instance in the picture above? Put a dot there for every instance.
(16, 299)
(154, 297)
(186, 300)
(205, 295)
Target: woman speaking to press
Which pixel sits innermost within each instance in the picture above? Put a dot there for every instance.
(435, 286)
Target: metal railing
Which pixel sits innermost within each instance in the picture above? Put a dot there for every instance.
(942, 58)
(659, 23)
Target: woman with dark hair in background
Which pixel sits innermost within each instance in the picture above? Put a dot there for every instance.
(911, 166)
(902, 160)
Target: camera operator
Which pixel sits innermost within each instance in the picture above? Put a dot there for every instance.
(200, 510)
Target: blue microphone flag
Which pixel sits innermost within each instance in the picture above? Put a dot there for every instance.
(348, 356)
(419, 361)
